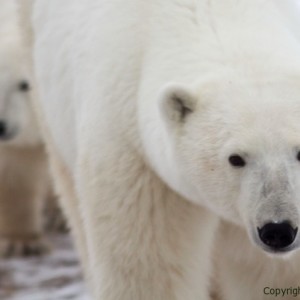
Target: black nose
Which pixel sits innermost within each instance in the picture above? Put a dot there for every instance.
(3, 129)
(277, 235)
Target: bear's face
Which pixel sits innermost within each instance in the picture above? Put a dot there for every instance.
(17, 124)
(236, 149)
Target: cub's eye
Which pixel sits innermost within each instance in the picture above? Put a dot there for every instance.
(237, 161)
(298, 156)
(23, 86)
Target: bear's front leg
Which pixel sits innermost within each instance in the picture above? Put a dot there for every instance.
(145, 242)
(20, 222)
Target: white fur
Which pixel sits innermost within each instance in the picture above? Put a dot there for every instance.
(113, 77)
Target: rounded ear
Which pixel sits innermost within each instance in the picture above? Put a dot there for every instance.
(176, 102)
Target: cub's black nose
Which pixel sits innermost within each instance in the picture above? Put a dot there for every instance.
(277, 235)
(3, 129)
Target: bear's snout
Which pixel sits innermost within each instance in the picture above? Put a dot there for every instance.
(3, 129)
(7, 132)
(277, 236)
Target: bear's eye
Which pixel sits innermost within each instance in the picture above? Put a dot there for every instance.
(237, 161)
(298, 156)
(23, 86)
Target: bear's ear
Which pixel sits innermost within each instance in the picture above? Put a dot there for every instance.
(177, 102)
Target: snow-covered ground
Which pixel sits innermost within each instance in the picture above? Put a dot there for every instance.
(56, 276)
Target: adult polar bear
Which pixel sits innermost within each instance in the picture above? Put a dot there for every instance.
(157, 112)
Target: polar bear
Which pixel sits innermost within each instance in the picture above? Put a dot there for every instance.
(159, 116)
(24, 179)
(245, 271)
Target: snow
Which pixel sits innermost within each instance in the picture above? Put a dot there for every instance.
(56, 276)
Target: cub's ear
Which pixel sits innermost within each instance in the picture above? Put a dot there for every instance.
(176, 103)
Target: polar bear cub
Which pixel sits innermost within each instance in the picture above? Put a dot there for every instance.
(24, 182)
(158, 115)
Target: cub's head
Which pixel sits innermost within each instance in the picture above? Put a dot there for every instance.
(17, 123)
(235, 148)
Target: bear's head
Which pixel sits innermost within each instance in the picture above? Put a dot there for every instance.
(234, 147)
(17, 123)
